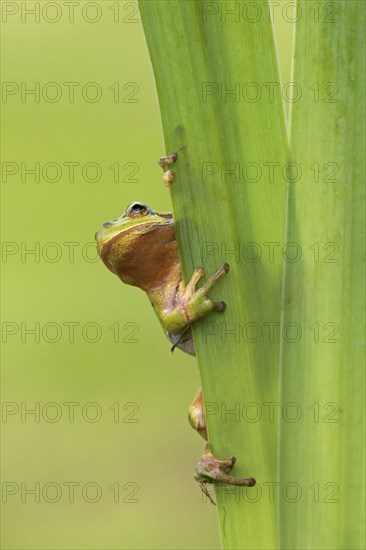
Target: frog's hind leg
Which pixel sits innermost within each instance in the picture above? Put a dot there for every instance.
(210, 469)
(196, 415)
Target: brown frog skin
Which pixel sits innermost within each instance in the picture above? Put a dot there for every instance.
(140, 247)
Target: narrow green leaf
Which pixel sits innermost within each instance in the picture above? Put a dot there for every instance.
(322, 463)
(214, 77)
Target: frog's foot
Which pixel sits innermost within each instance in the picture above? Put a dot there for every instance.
(196, 300)
(168, 177)
(165, 162)
(192, 303)
(210, 469)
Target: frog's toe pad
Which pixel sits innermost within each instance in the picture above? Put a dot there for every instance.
(219, 306)
(168, 176)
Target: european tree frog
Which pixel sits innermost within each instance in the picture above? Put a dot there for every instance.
(140, 247)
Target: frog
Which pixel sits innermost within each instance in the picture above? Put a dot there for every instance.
(141, 248)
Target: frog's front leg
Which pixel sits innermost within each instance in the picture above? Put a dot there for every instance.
(193, 304)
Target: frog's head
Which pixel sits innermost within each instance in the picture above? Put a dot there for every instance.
(130, 244)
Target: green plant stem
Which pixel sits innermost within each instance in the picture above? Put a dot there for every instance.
(202, 65)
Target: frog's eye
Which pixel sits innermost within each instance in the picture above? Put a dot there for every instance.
(137, 210)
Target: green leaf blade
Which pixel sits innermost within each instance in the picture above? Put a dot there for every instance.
(323, 372)
(222, 217)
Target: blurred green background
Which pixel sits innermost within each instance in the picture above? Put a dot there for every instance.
(130, 394)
